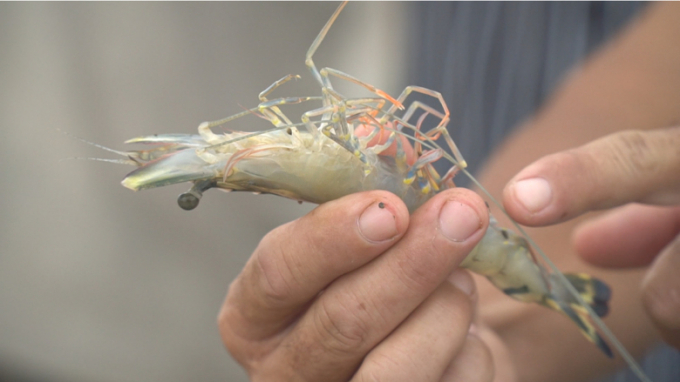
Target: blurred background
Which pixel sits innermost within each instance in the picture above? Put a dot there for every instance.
(98, 283)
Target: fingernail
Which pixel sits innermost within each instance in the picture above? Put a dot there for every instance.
(377, 223)
(463, 281)
(458, 221)
(534, 194)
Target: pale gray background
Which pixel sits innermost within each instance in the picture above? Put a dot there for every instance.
(98, 283)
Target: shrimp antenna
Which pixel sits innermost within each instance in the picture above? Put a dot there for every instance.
(122, 153)
(117, 161)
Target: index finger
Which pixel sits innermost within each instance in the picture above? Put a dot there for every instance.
(294, 262)
(630, 166)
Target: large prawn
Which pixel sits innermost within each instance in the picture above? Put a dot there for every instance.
(349, 145)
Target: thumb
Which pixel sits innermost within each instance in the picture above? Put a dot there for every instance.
(629, 166)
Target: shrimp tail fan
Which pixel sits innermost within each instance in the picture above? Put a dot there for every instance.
(594, 292)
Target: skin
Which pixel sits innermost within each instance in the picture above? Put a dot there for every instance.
(320, 300)
(357, 288)
(605, 142)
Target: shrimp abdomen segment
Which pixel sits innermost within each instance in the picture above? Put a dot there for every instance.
(506, 260)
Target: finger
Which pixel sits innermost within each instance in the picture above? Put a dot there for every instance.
(630, 166)
(629, 236)
(661, 293)
(503, 365)
(297, 260)
(473, 363)
(361, 308)
(423, 346)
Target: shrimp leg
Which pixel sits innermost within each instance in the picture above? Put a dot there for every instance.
(326, 71)
(205, 128)
(447, 137)
(309, 62)
(263, 98)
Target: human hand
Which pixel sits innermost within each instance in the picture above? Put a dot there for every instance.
(359, 290)
(617, 170)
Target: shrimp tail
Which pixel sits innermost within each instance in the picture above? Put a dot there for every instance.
(594, 292)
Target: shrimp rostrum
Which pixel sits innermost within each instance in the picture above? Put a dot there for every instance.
(345, 145)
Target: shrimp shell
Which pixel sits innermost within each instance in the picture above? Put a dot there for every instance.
(324, 157)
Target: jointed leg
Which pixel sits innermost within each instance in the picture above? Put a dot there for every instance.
(263, 98)
(326, 71)
(205, 128)
(263, 95)
(410, 89)
(315, 45)
(440, 129)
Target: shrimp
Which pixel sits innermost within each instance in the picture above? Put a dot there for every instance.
(348, 145)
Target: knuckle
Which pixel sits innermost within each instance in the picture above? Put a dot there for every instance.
(573, 160)
(663, 306)
(633, 152)
(226, 317)
(422, 269)
(223, 325)
(246, 350)
(380, 368)
(482, 356)
(223, 317)
(277, 276)
(275, 283)
(342, 331)
(458, 307)
(366, 376)
(661, 297)
(237, 346)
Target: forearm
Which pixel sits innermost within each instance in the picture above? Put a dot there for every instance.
(634, 83)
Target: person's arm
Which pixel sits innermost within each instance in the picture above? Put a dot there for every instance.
(633, 83)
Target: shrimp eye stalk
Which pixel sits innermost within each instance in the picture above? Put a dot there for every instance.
(190, 199)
